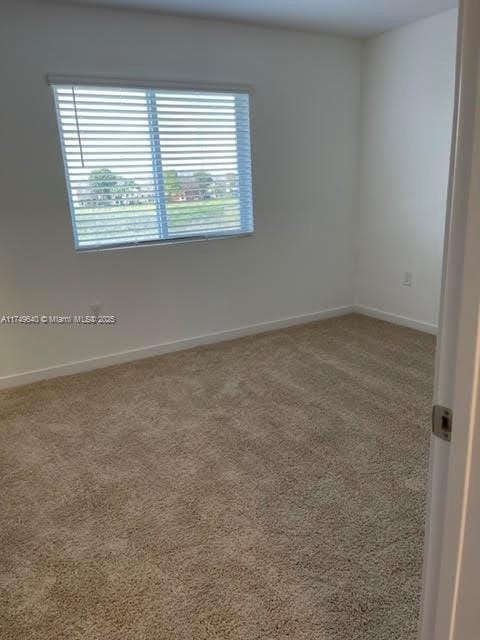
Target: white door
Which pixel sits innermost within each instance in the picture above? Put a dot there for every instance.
(451, 599)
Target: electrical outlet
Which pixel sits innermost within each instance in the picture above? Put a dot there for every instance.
(407, 279)
(95, 309)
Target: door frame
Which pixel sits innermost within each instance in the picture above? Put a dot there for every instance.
(452, 563)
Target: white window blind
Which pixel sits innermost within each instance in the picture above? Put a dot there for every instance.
(147, 165)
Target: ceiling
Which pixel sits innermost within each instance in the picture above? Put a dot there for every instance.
(352, 17)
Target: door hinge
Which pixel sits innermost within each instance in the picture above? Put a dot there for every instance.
(442, 422)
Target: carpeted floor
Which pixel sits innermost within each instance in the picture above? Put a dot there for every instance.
(271, 487)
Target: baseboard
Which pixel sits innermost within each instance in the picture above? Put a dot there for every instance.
(101, 362)
(426, 327)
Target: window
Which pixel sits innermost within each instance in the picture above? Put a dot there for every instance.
(154, 164)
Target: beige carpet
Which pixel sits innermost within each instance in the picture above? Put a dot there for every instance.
(267, 488)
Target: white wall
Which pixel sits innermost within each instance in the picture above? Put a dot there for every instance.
(350, 157)
(300, 259)
(407, 111)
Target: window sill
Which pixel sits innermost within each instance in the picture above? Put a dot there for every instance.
(170, 242)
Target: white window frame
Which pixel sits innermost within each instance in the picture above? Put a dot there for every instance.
(55, 80)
